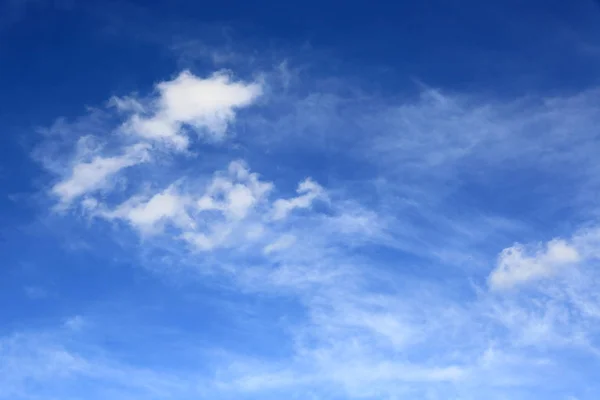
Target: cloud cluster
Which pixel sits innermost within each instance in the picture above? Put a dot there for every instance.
(233, 208)
(397, 278)
(185, 104)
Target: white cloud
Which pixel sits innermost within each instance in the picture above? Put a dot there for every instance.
(159, 129)
(280, 244)
(206, 105)
(236, 193)
(308, 191)
(126, 104)
(149, 215)
(207, 241)
(89, 176)
(233, 209)
(516, 266)
(358, 380)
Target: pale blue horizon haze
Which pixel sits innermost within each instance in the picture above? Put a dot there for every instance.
(299, 200)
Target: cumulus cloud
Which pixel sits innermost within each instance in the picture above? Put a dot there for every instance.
(233, 207)
(308, 191)
(234, 194)
(241, 202)
(206, 105)
(149, 215)
(228, 209)
(517, 265)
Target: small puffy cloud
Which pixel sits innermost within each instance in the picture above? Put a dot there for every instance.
(516, 266)
(235, 193)
(158, 129)
(89, 176)
(308, 191)
(148, 215)
(244, 211)
(207, 105)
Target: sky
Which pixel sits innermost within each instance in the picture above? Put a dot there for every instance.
(300, 200)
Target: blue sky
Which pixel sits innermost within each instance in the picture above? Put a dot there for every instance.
(303, 200)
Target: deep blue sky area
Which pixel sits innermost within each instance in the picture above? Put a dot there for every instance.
(54, 47)
(305, 200)
(61, 56)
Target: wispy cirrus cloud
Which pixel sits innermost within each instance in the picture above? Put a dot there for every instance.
(41, 365)
(90, 176)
